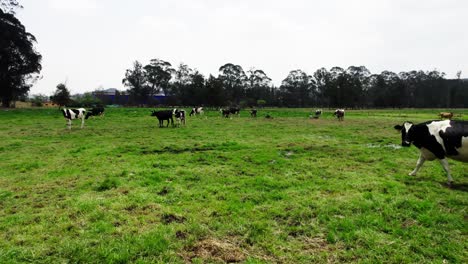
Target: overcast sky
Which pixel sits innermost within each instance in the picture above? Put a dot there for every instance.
(90, 43)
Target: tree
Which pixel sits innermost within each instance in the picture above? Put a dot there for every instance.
(233, 79)
(61, 96)
(9, 6)
(323, 84)
(257, 85)
(159, 73)
(297, 89)
(19, 61)
(38, 99)
(181, 83)
(135, 79)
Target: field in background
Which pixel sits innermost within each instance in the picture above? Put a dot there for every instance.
(288, 189)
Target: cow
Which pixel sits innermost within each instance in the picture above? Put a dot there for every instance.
(95, 111)
(164, 115)
(253, 112)
(339, 113)
(196, 111)
(179, 115)
(225, 112)
(447, 115)
(437, 140)
(71, 114)
(318, 113)
(229, 111)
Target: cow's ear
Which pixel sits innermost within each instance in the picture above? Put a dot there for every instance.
(398, 127)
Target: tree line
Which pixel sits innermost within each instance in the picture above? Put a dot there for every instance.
(353, 87)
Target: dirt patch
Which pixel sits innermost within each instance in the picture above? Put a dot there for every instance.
(409, 223)
(170, 218)
(216, 251)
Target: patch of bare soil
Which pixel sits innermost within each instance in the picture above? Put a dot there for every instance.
(215, 250)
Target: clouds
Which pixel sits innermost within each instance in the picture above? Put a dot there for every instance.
(94, 41)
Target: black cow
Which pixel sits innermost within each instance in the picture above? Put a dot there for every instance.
(164, 115)
(229, 111)
(339, 113)
(71, 114)
(437, 140)
(225, 112)
(253, 112)
(196, 111)
(96, 111)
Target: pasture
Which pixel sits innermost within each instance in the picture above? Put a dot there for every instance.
(283, 190)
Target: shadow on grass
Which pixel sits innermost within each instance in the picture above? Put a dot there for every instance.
(457, 186)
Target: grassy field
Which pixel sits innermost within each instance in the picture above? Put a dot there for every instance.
(282, 190)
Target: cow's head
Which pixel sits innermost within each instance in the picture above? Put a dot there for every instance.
(405, 130)
(153, 113)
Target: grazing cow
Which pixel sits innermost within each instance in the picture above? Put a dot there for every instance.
(196, 111)
(437, 140)
(164, 115)
(179, 115)
(229, 111)
(253, 112)
(447, 115)
(318, 113)
(339, 113)
(71, 114)
(225, 112)
(96, 111)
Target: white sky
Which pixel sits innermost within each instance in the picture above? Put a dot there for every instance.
(90, 43)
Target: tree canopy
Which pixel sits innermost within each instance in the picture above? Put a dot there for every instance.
(19, 61)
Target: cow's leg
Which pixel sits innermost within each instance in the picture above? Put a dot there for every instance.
(82, 122)
(445, 165)
(69, 124)
(419, 163)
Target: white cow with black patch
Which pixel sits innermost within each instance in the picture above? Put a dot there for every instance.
(71, 114)
(437, 140)
(196, 111)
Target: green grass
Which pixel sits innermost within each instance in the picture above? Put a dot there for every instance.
(288, 189)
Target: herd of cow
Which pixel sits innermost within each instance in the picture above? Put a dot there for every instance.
(438, 139)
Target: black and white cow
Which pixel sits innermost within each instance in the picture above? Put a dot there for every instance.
(95, 111)
(164, 115)
(253, 112)
(71, 114)
(437, 140)
(318, 113)
(339, 113)
(179, 115)
(196, 111)
(225, 112)
(231, 110)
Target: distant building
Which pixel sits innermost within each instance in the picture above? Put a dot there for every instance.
(112, 96)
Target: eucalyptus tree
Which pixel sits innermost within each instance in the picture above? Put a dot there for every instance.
(258, 85)
(181, 82)
(297, 89)
(159, 73)
(136, 81)
(233, 79)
